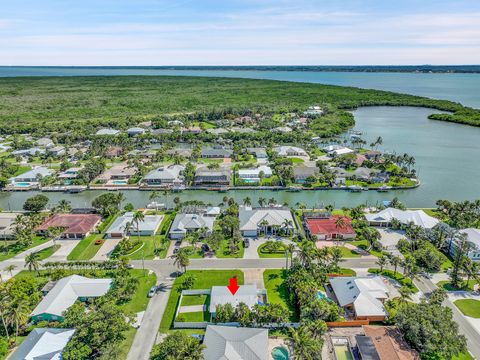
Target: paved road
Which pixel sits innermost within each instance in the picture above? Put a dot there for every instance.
(66, 247)
(473, 338)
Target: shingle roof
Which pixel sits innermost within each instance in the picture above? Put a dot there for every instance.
(165, 173)
(67, 291)
(231, 343)
(250, 219)
(43, 344)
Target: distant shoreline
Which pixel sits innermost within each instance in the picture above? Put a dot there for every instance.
(467, 69)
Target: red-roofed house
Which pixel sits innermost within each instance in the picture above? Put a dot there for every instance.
(327, 227)
(77, 226)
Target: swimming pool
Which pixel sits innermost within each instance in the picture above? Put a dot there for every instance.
(342, 348)
(119, 182)
(23, 184)
(280, 353)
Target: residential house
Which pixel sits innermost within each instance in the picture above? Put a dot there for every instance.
(117, 175)
(7, 225)
(31, 177)
(282, 129)
(134, 131)
(255, 174)
(272, 220)
(65, 293)
(34, 151)
(218, 131)
(208, 177)
(45, 142)
(70, 174)
(472, 236)
(373, 155)
(260, 153)
(247, 294)
(227, 342)
(214, 153)
(43, 344)
(289, 151)
(75, 226)
(417, 217)
(147, 227)
(162, 131)
(314, 111)
(165, 176)
(185, 223)
(56, 151)
(324, 226)
(338, 151)
(106, 131)
(388, 343)
(363, 297)
(302, 174)
(114, 151)
(192, 130)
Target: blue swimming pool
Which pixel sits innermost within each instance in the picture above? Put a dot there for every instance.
(119, 182)
(280, 353)
(22, 184)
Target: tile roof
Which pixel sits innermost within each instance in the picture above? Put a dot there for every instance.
(389, 343)
(73, 223)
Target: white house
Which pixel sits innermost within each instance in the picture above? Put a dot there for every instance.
(265, 220)
(31, 177)
(363, 295)
(247, 294)
(165, 176)
(44, 142)
(147, 227)
(313, 111)
(227, 342)
(134, 131)
(106, 131)
(253, 175)
(43, 344)
(185, 223)
(289, 151)
(473, 237)
(417, 217)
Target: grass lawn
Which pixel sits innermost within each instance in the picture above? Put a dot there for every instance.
(463, 356)
(148, 248)
(140, 300)
(47, 252)
(197, 316)
(266, 254)
(469, 307)
(194, 252)
(190, 300)
(447, 263)
(86, 248)
(348, 253)
(296, 160)
(396, 276)
(126, 344)
(277, 291)
(347, 272)
(203, 279)
(363, 244)
(449, 287)
(224, 251)
(13, 248)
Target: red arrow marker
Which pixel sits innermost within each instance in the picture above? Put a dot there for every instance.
(233, 287)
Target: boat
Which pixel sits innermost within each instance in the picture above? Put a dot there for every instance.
(155, 205)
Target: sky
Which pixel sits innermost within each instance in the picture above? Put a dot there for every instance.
(239, 32)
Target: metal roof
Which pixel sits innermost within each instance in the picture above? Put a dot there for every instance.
(43, 344)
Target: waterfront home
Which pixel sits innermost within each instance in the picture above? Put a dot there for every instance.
(210, 177)
(146, 227)
(472, 236)
(227, 342)
(70, 174)
(272, 220)
(366, 174)
(56, 151)
(7, 225)
(106, 131)
(314, 111)
(45, 142)
(185, 223)
(134, 131)
(43, 344)
(304, 174)
(324, 226)
(218, 131)
(214, 153)
(416, 217)
(31, 177)
(289, 151)
(247, 294)
(64, 294)
(373, 155)
(165, 176)
(363, 297)
(117, 175)
(75, 226)
(114, 151)
(254, 175)
(338, 151)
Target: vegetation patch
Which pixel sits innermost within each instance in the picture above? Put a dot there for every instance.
(86, 248)
(47, 252)
(277, 291)
(396, 276)
(469, 307)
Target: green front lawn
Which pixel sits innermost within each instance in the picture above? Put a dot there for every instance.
(140, 300)
(86, 248)
(277, 291)
(364, 245)
(189, 300)
(396, 276)
(224, 251)
(469, 307)
(197, 316)
(463, 356)
(147, 248)
(194, 252)
(348, 253)
(264, 253)
(47, 252)
(449, 287)
(12, 248)
(203, 279)
(296, 160)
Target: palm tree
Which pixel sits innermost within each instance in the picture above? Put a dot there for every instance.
(395, 261)
(181, 259)
(305, 346)
(405, 294)
(138, 217)
(291, 249)
(10, 269)
(21, 312)
(263, 225)
(382, 262)
(32, 261)
(306, 252)
(247, 201)
(64, 206)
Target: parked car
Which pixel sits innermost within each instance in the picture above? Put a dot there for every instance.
(178, 242)
(153, 291)
(129, 266)
(176, 250)
(205, 248)
(246, 242)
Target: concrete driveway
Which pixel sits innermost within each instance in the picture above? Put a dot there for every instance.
(104, 252)
(66, 247)
(390, 238)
